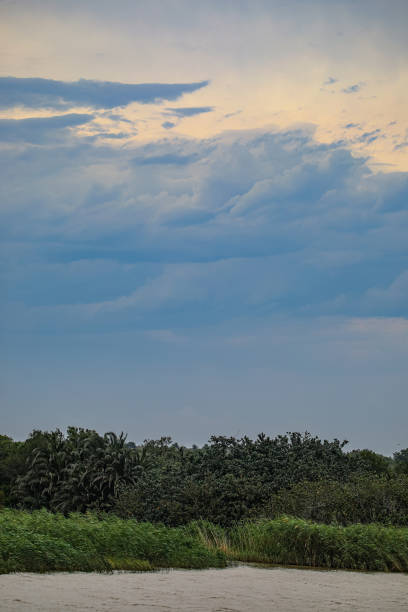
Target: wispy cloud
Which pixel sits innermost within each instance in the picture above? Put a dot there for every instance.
(403, 142)
(166, 159)
(368, 137)
(39, 129)
(351, 89)
(47, 93)
(233, 114)
(114, 135)
(190, 111)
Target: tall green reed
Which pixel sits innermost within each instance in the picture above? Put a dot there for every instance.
(42, 541)
(292, 541)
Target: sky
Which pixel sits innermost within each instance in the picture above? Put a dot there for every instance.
(204, 217)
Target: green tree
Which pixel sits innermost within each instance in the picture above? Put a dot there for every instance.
(401, 461)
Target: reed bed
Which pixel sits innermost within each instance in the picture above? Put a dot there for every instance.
(293, 541)
(41, 541)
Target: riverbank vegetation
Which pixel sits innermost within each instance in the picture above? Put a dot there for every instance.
(42, 541)
(225, 481)
(292, 541)
(91, 502)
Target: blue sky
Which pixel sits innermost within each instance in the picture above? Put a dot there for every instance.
(204, 216)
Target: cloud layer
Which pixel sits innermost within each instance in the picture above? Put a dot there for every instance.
(162, 275)
(186, 232)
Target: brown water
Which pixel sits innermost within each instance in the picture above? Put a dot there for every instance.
(233, 589)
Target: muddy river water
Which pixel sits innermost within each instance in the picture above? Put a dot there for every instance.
(233, 589)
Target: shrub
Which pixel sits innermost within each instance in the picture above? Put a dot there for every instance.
(363, 499)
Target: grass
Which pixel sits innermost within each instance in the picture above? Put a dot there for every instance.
(292, 541)
(41, 542)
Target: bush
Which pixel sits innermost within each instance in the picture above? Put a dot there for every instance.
(363, 499)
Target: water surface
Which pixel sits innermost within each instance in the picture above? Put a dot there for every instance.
(238, 589)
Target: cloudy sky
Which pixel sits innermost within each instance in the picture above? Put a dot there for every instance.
(204, 218)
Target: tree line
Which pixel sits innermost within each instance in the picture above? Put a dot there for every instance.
(226, 480)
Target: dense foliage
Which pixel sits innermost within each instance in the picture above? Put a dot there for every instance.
(363, 499)
(225, 481)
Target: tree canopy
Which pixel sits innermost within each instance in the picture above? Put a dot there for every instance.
(226, 480)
